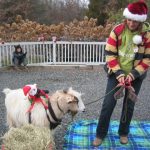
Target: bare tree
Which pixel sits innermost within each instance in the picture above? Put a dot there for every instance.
(42, 11)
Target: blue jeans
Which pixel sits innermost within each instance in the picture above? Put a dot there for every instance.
(109, 104)
(19, 61)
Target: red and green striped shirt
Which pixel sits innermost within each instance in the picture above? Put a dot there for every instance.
(120, 55)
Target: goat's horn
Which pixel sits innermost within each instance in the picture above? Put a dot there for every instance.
(65, 90)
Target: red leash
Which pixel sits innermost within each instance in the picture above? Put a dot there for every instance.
(130, 95)
(131, 91)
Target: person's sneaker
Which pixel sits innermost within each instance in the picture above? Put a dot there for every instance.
(26, 68)
(17, 68)
(97, 142)
(123, 139)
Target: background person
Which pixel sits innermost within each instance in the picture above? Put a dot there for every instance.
(19, 57)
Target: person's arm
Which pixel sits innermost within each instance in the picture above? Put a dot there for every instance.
(112, 56)
(20, 55)
(144, 64)
(25, 53)
(15, 54)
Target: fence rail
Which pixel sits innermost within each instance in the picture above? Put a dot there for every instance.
(56, 53)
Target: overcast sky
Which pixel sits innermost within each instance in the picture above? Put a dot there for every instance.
(86, 1)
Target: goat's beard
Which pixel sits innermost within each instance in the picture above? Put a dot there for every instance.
(73, 113)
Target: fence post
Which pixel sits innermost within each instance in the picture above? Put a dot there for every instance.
(54, 49)
(0, 59)
(0, 56)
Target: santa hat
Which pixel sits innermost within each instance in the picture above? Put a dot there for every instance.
(30, 89)
(136, 11)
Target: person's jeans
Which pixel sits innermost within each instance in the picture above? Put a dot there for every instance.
(19, 61)
(109, 104)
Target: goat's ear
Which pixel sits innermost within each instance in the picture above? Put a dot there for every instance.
(65, 91)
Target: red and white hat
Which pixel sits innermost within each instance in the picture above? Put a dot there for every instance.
(136, 11)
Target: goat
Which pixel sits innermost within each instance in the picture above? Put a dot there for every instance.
(59, 103)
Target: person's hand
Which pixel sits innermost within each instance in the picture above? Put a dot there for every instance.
(129, 79)
(121, 80)
(24, 55)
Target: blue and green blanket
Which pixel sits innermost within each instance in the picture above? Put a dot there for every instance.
(80, 135)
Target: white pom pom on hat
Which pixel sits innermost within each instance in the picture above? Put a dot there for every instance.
(137, 39)
(136, 11)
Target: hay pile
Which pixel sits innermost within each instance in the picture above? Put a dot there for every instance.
(28, 137)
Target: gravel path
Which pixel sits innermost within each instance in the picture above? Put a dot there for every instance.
(90, 81)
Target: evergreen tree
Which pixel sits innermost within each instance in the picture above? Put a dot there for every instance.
(97, 9)
(115, 9)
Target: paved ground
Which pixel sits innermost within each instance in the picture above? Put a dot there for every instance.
(91, 82)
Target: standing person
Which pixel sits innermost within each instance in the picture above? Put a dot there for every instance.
(128, 58)
(19, 57)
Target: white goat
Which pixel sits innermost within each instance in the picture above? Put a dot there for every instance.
(61, 103)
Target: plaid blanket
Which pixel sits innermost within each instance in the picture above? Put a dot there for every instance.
(80, 135)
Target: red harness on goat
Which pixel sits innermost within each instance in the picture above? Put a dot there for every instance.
(34, 99)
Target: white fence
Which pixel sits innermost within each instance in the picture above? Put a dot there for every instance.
(56, 53)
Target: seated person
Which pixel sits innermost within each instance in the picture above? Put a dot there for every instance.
(19, 57)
